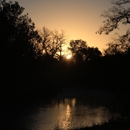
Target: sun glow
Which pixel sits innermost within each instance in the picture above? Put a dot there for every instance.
(68, 56)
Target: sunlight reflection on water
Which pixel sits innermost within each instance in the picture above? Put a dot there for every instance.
(68, 114)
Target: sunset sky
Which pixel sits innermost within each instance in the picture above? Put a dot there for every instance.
(80, 19)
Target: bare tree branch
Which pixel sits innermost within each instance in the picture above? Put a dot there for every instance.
(113, 16)
(120, 2)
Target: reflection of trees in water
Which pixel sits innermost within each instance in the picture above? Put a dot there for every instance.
(77, 116)
(64, 102)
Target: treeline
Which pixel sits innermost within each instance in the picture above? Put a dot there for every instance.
(33, 66)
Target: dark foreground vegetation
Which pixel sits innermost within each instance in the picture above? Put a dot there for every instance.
(32, 67)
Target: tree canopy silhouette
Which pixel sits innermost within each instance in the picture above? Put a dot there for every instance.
(82, 52)
(51, 44)
(92, 53)
(113, 17)
(77, 48)
(17, 31)
(119, 45)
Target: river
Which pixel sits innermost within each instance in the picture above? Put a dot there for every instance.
(79, 109)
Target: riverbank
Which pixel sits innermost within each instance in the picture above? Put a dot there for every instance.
(120, 124)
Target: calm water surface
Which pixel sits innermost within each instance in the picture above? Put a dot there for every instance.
(63, 113)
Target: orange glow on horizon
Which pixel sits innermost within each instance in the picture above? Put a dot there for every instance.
(79, 19)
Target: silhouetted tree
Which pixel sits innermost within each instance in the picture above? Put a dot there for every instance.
(113, 49)
(17, 32)
(92, 53)
(118, 13)
(119, 45)
(82, 52)
(52, 41)
(78, 49)
(113, 16)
